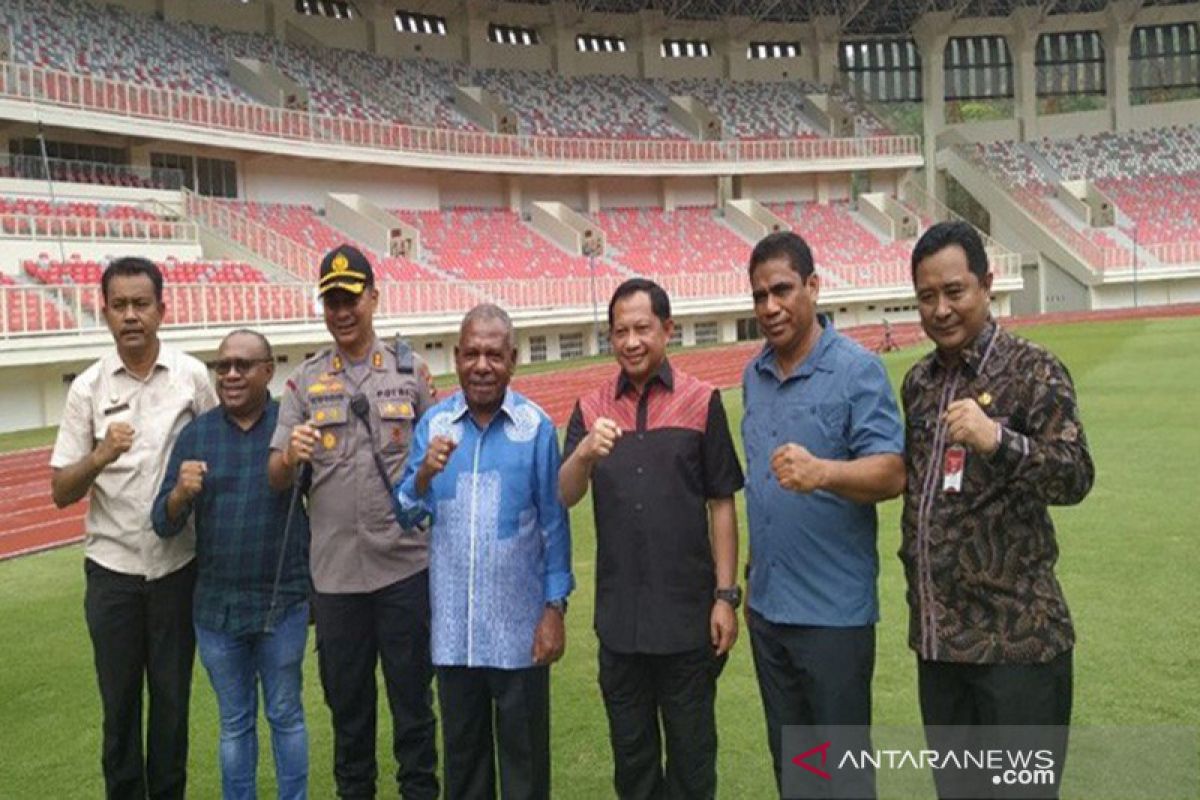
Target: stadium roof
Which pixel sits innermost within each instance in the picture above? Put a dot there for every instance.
(856, 17)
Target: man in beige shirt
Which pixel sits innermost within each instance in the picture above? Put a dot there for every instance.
(120, 422)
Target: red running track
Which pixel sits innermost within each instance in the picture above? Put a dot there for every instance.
(29, 522)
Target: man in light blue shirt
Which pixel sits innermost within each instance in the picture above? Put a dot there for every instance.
(484, 467)
(824, 443)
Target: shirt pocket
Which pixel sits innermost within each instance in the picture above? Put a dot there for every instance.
(331, 421)
(821, 428)
(395, 424)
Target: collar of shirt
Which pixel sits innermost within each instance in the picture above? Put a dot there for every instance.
(664, 375)
(263, 414)
(460, 408)
(339, 361)
(972, 354)
(115, 366)
(764, 363)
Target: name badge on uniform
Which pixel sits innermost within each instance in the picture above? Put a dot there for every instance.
(952, 469)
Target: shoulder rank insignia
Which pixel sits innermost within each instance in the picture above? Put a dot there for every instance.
(337, 363)
(328, 440)
(377, 360)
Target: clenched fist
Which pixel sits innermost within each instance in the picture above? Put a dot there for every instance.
(117, 440)
(797, 469)
(301, 445)
(437, 455)
(600, 440)
(191, 480)
(967, 424)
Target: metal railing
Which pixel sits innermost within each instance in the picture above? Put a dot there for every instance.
(92, 229)
(37, 309)
(92, 93)
(231, 223)
(35, 168)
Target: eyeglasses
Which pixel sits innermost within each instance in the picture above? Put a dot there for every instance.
(242, 365)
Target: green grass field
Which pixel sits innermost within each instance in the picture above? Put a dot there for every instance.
(1130, 561)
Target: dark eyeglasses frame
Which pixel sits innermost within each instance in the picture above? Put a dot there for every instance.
(243, 365)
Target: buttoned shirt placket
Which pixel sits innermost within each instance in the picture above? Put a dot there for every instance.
(929, 493)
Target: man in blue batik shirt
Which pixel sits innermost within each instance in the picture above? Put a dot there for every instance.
(484, 466)
(824, 444)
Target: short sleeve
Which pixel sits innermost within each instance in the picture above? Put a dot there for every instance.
(75, 431)
(875, 426)
(722, 472)
(576, 430)
(292, 411)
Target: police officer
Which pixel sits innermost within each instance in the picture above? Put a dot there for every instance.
(348, 415)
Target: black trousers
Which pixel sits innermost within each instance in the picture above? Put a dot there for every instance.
(815, 676)
(142, 639)
(490, 713)
(354, 632)
(959, 702)
(681, 689)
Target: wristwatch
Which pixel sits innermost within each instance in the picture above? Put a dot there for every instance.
(732, 595)
(558, 605)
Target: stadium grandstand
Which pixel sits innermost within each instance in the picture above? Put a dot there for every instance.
(537, 154)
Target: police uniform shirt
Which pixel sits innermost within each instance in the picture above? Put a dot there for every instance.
(177, 390)
(357, 545)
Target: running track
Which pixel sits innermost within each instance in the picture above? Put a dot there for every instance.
(29, 522)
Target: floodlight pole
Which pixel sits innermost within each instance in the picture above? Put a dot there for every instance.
(595, 307)
(1135, 263)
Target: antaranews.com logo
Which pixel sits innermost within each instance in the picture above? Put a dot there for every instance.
(1000, 762)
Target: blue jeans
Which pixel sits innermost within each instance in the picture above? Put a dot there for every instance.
(233, 662)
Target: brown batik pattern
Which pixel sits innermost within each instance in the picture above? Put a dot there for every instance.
(980, 562)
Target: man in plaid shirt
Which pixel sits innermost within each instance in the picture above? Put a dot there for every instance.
(251, 602)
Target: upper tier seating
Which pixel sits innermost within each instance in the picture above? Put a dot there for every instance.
(593, 106)
(112, 42)
(686, 240)
(751, 110)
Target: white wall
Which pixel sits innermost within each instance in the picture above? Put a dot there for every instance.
(277, 180)
(780, 188)
(629, 193)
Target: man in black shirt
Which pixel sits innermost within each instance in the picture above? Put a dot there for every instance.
(666, 590)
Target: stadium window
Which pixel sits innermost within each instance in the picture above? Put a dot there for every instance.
(216, 177)
(685, 48)
(537, 349)
(1070, 63)
(331, 9)
(978, 68)
(758, 50)
(707, 333)
(883, 70)
(599, 43)
(570, 345)
(174, 163)
(1165, 57)
(507, 34)
(411, 22)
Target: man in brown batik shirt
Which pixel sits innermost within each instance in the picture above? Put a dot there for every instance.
(993, 438)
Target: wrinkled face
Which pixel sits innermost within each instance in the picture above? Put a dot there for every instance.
(349, 317)
(785, 305)
(952, 301)
(243, 373)
(484, 361)
(639, 338)
(132, 312)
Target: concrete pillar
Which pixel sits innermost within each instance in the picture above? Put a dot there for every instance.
(476, 33)
(648, 42)
(1023, 44)
(593, 195)
(1116, 35)
(512, 192)
(826, 33)
(563, 57)
(930, 37)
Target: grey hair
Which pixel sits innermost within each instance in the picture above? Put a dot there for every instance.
(255, 334)
(491, 312)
